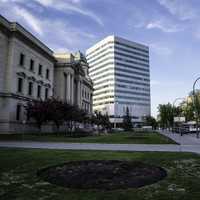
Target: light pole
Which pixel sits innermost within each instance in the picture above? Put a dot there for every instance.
(179, 98)
(195, 107)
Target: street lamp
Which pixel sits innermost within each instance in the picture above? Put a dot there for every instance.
(179, 98)
(195, 107)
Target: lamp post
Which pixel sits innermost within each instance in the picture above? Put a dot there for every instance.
(195, 107)
(179, 98)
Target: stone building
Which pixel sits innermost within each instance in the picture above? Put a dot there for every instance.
(30, 70)
(72, 83)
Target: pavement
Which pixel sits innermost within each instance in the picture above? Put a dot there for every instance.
(90, 146)
(186, 139)
(188, 143)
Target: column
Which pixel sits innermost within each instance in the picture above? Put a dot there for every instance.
(68, 88)
(80, 94)
(65, 87)
(72, 89)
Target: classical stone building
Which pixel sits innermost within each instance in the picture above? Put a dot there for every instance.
(72, 83)
(30, 70)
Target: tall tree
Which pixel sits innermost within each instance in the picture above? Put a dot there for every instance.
(55, 112)
(127, 123)
(166, 114)
(38, 110)
(151, 121)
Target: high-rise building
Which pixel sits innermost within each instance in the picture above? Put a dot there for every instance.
(120, 73)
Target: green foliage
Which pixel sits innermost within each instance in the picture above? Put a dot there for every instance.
(127, 124)
(19, 175)
(151, 121)
(101, 120)
(165, 115)
(115, 138)
(58, 112)
(189, 108)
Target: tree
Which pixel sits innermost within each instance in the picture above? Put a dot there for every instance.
(105, 122)
(38, 110)
(127, 124)
(165, 115)
(55, 112)
(151, 121)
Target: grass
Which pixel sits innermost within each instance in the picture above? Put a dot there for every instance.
(18, 178)
(114, 138)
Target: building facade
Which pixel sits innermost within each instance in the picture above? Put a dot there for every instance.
(72, 81)
(30, 70)
(120, 73)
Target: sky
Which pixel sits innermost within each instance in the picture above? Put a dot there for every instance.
(171, 29)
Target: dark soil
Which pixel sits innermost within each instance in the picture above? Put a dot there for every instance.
(102, 174)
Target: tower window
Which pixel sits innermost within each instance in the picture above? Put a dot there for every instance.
(47, 74)
(20, 85)
(18, 112)
(21, 60)
(39, 91)
(46, 93)
(40, 70)
(30, 88)
(32, 65)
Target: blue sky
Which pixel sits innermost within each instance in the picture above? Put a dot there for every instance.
(171, 28)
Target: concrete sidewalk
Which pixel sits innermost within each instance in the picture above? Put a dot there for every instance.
(186, 139)
(188, 143)
(94, 146)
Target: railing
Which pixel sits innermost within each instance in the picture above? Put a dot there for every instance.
(183, 130)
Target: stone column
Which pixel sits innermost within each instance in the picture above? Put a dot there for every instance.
(77, 92)
(80, 94)
(72, 89)
(79, 102)
(65, 87)
(68, 88)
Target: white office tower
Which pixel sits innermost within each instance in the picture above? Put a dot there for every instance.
(120, 73)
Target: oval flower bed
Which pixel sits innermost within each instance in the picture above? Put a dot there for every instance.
(102, 174)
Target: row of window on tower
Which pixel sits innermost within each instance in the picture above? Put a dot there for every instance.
(32, 66)
(30, 91)
(85, 94)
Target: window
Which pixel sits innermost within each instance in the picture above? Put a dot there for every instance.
(32, 65)
(39, 91)
(18, 112)
(47, 73)
(40, 70)
(21, 60)
(30, 88)
(27, 115)
(20, 85)
(46, 93)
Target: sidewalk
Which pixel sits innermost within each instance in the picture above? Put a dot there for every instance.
(186, 139)
(188, 143)
(91, 146)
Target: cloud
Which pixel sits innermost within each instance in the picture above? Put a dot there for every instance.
(68, 37)
(29, 19)
(180, 8)
(163, 26)
(65, 38)
(166, 84)
(70, 5)
(160, 50)
(154, 82)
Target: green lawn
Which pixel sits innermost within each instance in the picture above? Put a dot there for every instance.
(18, 178)
(115, 138)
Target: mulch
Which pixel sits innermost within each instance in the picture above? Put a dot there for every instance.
(102, 174)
